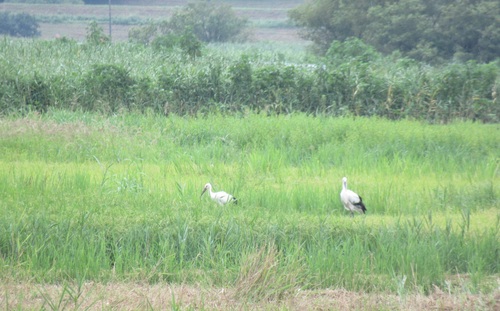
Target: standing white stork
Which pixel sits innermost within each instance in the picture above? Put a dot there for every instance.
(351, 200)
(220, 197)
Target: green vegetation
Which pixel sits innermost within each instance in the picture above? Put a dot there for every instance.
(205, 21)
(105, 148)
(209, 21)
(167, 78)
(96, 36)
(430, 31)
(18, 25)
(116, 198)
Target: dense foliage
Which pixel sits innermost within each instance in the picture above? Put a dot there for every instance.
(96, 35)
(207, 21)
(210, 21)
(111, 77)
(426, 30)
(18, 25)
(163, 40)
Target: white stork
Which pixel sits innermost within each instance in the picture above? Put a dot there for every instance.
(220, 197)
(351, 200)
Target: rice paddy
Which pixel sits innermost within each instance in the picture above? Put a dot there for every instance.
(117, 199)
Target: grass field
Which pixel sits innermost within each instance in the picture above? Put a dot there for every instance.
(104, 212)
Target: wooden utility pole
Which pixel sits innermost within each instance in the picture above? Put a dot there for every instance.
(109, 2)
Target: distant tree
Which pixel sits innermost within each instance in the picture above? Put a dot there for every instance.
(187, 42)
(351, 49)
(190, 44)
(144, 34)
(441, 29)
(427, 30)
(96, 35)
(324, 21)
(209, 21)
(472, 30)
(190, 26)
(18, 25)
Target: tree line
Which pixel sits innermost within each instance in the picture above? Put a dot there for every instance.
(432, 31)
(426, 30)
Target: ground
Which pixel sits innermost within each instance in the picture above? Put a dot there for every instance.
(134, 296)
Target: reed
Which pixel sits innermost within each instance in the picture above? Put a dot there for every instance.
(238, 78)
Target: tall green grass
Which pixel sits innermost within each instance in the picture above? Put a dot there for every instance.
(231, 78)
(117, 198)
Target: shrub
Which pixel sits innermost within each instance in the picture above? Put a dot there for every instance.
(18, 25)
(166, 42)
(162, 39)
(39, 95)
(109, 85)
(205, 21)
(209, 21)
(95, 34)
(351, 49)
(240, 75)
(143, 35)
(190, 45)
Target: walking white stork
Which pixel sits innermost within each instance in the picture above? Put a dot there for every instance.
(351, 200)
(220, 197)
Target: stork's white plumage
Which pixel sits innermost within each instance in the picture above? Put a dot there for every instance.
(220, 197)
(351, 200)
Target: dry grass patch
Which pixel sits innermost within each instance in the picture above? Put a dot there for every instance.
(136, 296)
(47, 128)
(12, 128)
(263, 278)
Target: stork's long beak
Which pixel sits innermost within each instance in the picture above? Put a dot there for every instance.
(204, 189)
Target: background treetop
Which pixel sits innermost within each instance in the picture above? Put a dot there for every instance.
(422, 29)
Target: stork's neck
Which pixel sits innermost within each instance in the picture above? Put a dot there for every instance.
(344, 183)
(212, 194)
